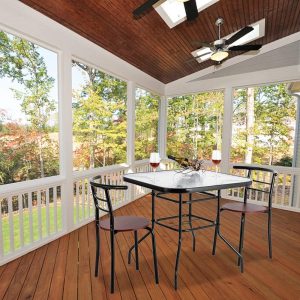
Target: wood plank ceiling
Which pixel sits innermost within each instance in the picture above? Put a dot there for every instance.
(150, 45)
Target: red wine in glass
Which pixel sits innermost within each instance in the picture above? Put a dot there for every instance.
(154, 165)
(216, 161)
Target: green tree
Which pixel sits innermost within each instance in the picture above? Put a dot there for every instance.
(195, 124)
(99, 119)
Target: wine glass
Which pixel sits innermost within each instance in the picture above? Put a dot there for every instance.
(216, 159)
(154, 161)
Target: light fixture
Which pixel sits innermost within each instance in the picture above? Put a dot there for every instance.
(219, 55)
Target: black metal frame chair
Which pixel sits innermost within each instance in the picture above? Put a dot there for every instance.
(117, 224)
(245, 208)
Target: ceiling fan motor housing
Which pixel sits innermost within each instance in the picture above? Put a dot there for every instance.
(219, 44)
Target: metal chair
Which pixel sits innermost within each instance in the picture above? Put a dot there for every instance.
(117, 224)
(247, 208)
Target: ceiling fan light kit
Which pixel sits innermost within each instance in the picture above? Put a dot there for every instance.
(219, 55)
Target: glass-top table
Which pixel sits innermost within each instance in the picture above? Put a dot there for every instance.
(163, 183)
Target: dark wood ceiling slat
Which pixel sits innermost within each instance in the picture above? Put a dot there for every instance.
(150, 45)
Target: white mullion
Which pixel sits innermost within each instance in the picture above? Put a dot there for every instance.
(162, 127)
(130, 133)
(55, 208)
(21, 223)
(11, 225)
(30, 216)
(47, 212)
(39, 213)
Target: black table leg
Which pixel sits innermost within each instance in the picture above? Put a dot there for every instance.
(190, 222)
(179, 241)
(217, 225)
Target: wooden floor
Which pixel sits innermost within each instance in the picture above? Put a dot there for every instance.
(64, 268)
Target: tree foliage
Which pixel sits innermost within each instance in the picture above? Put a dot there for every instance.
(195, 124)
(275, 115)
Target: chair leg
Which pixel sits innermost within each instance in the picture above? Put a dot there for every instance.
(154, 256)
(270, 233)
(241, 241)
(97, 249)
(112, 269)
(136, 247)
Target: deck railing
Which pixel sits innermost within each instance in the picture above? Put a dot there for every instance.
(33, 213)
(286, 193)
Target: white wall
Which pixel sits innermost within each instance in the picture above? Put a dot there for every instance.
(21, 19)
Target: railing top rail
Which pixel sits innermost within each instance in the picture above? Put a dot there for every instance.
(30, 185)
(99, 171)
(279, 169)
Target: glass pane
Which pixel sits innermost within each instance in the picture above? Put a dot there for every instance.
(195, 124)
(146, 123)
(99, 118)
(264, 121)
(29, 147)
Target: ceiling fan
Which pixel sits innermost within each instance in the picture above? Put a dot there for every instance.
(190, 7)
(220, 48)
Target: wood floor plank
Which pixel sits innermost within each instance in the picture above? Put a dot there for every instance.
(19, 277)
(43, 285)
(71, 282)
(64, 269)
(98, 286)
(7, 276)
(84, 271)
(58, 277)
(33, 274)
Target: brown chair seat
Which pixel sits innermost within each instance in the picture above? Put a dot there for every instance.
(126, 223)
(244, 208)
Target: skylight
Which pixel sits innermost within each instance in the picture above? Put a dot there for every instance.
(258, 32)
(173, 12)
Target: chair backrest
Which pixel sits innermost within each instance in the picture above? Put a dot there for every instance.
(263, 186)
(101, 196)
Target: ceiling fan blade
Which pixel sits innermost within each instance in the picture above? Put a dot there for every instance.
(245, 48)
(239, 34)
(191, 10)
(143, 8)
(202, 44)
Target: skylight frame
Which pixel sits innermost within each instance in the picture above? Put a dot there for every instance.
(159, 7)
(260, 33)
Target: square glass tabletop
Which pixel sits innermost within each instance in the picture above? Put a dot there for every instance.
(182, 182)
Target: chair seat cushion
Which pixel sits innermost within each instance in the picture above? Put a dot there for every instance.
(126, 223)
(244, 208)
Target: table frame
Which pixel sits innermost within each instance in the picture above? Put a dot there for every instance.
(212, 223)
